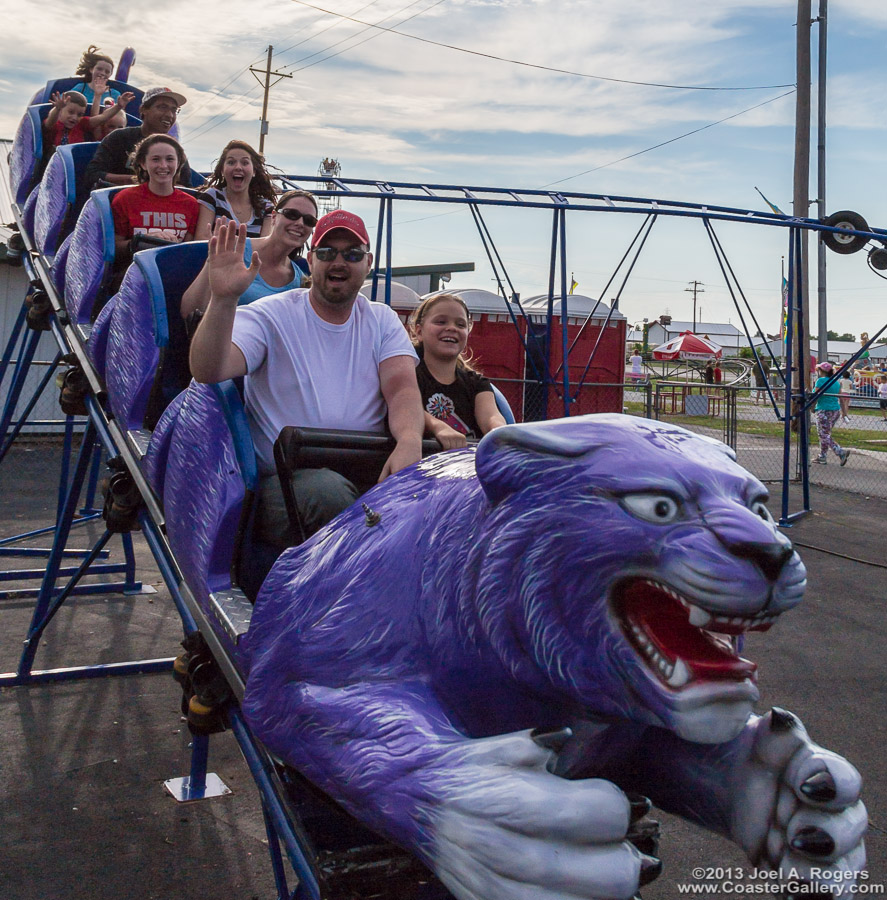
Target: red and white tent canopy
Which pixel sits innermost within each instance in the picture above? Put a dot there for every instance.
(688, 346)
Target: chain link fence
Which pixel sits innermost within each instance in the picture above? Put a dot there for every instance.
(749, 419)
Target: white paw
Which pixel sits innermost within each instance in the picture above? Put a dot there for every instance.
(797, 809)
(507, 829)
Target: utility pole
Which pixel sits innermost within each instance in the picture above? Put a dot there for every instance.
(820, 176)
(697, 289)
(267, 84)
(801, 200)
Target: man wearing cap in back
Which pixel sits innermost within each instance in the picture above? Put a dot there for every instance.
(110, 165)
(322, 357)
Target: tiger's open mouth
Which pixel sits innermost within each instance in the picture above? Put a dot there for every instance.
(679, 641)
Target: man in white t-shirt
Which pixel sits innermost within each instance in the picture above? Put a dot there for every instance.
(323, 357)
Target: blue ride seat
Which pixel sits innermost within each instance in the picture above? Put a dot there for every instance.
(59, 262)
(28, 211)
(211, 473)
(147, 348)
(154, 462)
(27, 152)
(97, 340)
(65, 84)
(503, 406)
(57, 203)
(92, 246)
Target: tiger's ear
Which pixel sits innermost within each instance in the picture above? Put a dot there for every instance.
(510, 457)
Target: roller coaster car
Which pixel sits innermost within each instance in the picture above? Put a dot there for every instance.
(60, 85)
(92, 245)
(59, 202)
(29, 157)
(146, 347)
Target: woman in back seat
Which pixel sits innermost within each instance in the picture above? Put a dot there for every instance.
(239, 188)
(292, 222)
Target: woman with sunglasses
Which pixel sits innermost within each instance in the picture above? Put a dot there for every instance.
(238, 188)
(292, 222)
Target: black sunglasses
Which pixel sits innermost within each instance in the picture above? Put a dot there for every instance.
(328, 254)
(294, 215)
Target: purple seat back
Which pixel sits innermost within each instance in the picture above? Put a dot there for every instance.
(97, 345)
(27, 151)
(58, 200)
(132, 354)
(203, 492)
(92, 245)
(28, 211)
(51, 206)
(58, 266)
(155, 460)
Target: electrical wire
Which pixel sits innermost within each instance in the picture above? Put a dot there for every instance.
(323, 30)
(217, 92)
(351, 37)
(669, 141)
(519, 62)
(211, 125)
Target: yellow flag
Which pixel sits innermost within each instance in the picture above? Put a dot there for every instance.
(573, 283)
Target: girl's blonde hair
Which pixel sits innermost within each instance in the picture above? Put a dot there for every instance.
(420, 313)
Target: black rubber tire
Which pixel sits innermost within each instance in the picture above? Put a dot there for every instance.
(878, 258)
(845, 244)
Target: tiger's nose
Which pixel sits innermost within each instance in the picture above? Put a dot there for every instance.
(769, 557)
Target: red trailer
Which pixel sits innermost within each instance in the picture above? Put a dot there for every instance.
(604, 339)
(498, 352)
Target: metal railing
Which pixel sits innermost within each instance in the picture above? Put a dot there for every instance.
(741, 416)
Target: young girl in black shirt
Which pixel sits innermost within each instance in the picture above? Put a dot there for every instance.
(458, 402)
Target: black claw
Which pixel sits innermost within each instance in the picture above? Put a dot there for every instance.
(820, 787)
(551, 739)
(782, 720)
(640, 806)
(651, 869)
(813, 841)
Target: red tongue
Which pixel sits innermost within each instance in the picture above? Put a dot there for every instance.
(665, 622)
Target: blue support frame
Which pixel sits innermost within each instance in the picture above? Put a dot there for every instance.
(104, 434)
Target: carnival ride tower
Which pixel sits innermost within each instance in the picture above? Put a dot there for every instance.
(329, 168)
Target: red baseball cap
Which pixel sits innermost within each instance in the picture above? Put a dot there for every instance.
(340, 218)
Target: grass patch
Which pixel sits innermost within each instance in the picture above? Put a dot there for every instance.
(855, 438)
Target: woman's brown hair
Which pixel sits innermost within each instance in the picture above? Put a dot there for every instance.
(88, 61)
(260, 188)
(140, 153)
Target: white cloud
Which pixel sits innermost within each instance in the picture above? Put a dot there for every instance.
(396, 108)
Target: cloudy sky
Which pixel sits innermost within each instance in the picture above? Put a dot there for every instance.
(392, 107)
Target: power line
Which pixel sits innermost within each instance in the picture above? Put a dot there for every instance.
(217, 92)
(328, 28)
(669, 141)
(206, 127)
(351, 37)
(519, 62)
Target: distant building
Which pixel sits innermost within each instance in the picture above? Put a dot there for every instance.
(728, 336)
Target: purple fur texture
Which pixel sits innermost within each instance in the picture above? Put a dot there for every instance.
(555, 577)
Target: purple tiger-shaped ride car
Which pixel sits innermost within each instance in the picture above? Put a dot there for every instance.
(422, 666)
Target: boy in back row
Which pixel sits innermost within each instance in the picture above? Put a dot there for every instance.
(67, 122)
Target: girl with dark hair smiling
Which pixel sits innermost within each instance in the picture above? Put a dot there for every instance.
(240, 189)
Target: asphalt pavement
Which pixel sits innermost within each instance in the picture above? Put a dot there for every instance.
(83, 811)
